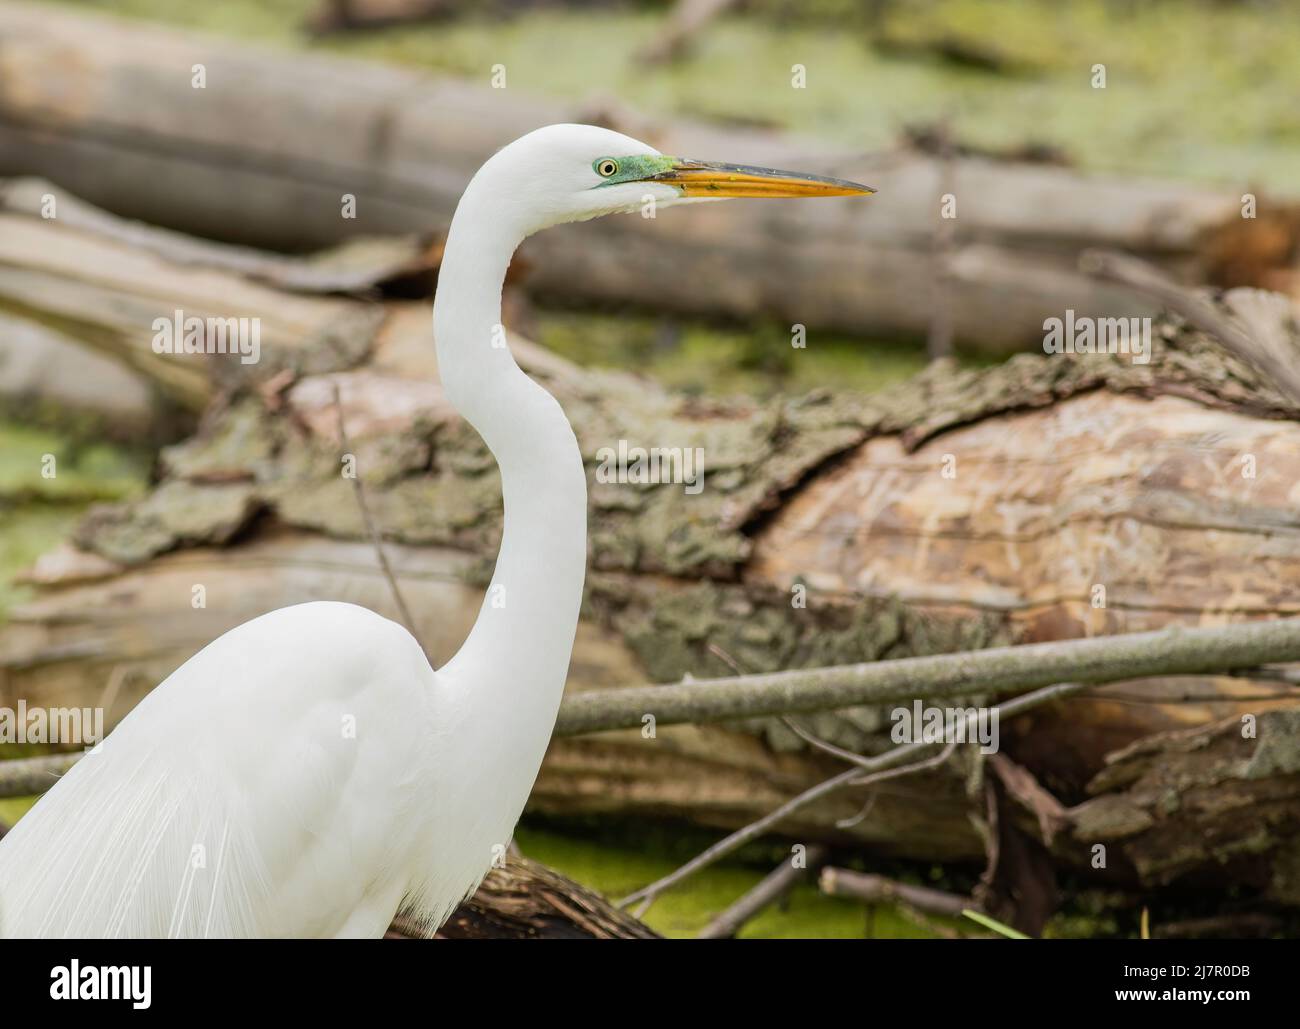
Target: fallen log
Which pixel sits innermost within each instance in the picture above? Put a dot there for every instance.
(266, 151)
(90, 280)
(1172, 806)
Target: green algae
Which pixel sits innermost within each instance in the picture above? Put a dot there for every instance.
(38, 465)
(38, 510)
(13, 808)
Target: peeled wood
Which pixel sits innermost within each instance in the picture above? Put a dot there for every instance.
(1142, 497)
(265, 153)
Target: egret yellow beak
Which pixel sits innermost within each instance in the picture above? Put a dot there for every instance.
(709, 179)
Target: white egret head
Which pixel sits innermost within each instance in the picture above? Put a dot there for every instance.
(565, 173)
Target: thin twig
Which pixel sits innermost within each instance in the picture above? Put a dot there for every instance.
(725, 658)
(861, 816)
(736, 840)
(371, 529)
(823, 745)
(919, 766)
(771, 888)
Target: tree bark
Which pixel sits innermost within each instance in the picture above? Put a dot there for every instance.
(525, 900)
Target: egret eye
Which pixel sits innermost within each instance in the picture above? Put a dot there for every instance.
(606, 167)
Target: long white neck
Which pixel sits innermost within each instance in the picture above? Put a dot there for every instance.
(516, 657)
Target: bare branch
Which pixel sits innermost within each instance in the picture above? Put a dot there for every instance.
(877, 889)
(775, 885)
(919, 766)
(998, 670)
(738, 839)
(372, 529)
(824, 745)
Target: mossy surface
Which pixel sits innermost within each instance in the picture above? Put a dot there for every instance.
(1194, 89)
(46, 482)
(13, 808)
(38, 465)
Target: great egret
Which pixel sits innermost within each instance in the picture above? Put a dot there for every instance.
(308, 773)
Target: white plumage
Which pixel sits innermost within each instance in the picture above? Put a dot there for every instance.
(308, 773)
(234, 801)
